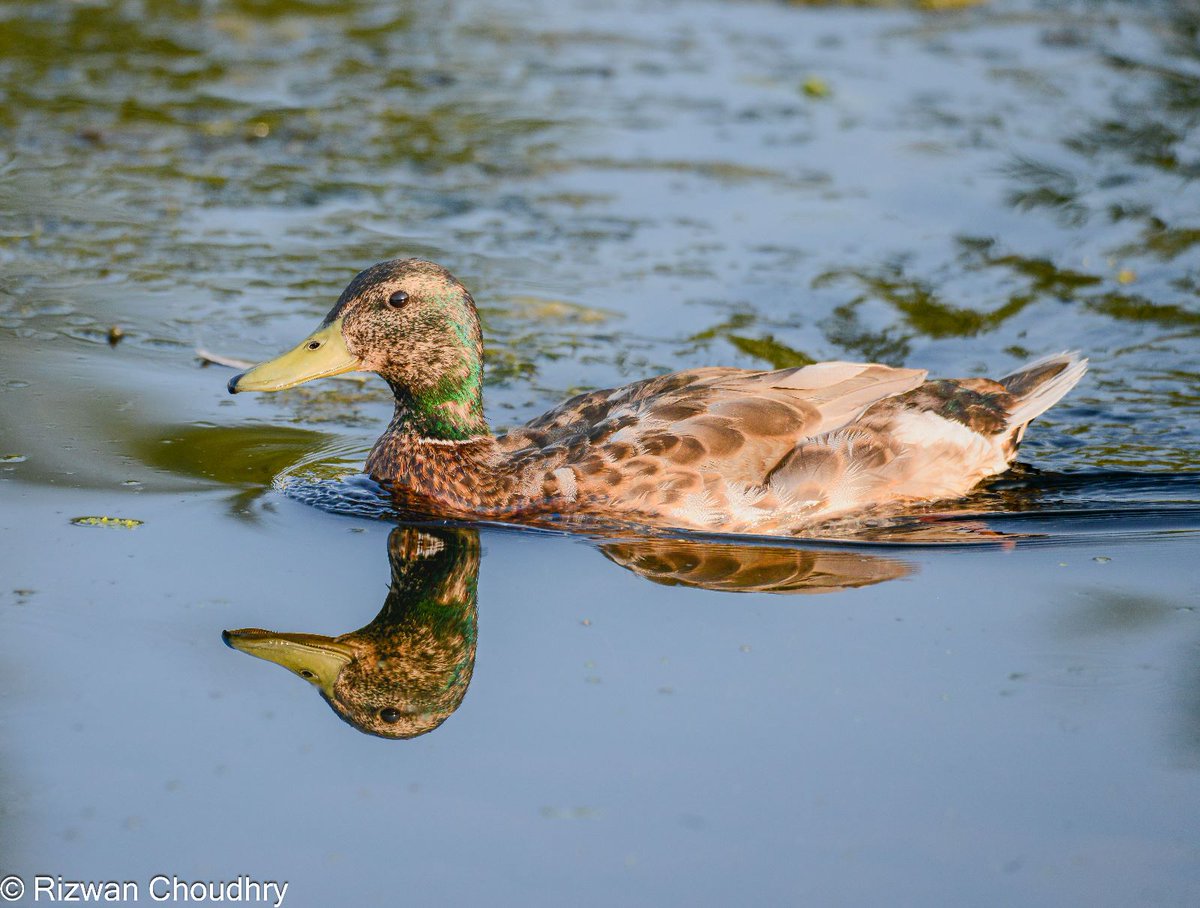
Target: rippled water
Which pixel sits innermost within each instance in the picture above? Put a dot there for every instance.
(627, 187)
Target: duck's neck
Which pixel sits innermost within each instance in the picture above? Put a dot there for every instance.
(438, 450)
(445, 405)
(451, 411)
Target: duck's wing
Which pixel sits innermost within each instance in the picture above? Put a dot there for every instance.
(936, 441)
(738, 421)
(675, 444)
(591, 408)
(777, 452)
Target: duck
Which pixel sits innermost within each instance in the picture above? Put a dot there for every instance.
(710, 450)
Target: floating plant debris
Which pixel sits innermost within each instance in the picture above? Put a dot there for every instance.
(126, 523)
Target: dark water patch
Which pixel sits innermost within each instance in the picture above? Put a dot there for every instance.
(1130, 307)
(1057, 526)
(1102, 487)
(247, 455)
(1053, 508)
(1113, 613)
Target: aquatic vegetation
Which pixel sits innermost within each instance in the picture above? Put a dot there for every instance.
(815, 87)
(765, 348)
(124, 523)
(921, 307)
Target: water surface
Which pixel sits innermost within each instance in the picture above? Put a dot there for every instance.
(627, 188)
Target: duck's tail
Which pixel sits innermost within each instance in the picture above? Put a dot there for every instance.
(1039, 385)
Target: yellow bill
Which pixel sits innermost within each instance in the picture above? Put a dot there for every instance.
(321, 354)
(314, 658)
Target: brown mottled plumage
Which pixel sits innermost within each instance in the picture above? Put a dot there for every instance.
(715, 449)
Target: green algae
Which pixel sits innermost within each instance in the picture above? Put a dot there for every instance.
(124, 523)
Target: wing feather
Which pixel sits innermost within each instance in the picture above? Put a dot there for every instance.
(736, 423)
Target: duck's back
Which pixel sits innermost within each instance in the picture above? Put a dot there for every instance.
(775, 452)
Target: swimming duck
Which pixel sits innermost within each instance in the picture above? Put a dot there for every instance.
(711, 449)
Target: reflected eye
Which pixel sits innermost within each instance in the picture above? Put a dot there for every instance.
(398, 299)
(389, 714)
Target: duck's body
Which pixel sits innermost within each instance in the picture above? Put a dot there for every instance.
(715, 450)
(722, 450)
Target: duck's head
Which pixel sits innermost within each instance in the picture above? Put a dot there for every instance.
(408, 670)
(409, 320)
(391, 691)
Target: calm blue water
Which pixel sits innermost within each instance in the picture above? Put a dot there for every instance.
(627, 187)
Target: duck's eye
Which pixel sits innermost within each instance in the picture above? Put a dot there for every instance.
(398, 299)
(389, 714)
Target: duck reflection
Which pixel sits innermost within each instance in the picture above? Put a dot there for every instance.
(736, 568)
(404, 673)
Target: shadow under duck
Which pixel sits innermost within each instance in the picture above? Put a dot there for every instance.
(712, 449)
